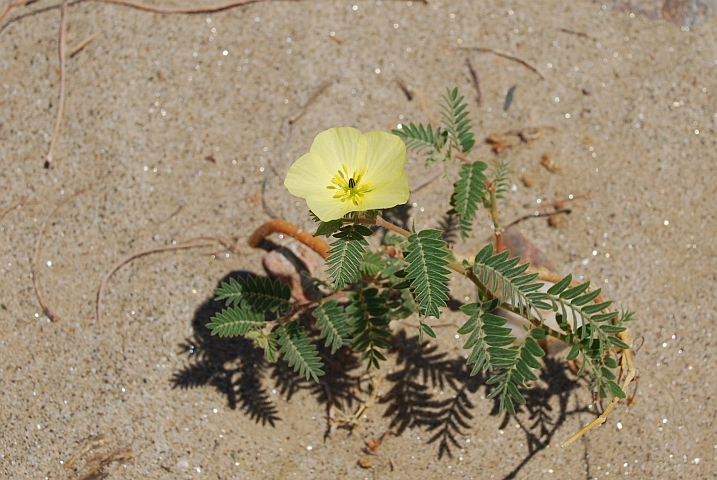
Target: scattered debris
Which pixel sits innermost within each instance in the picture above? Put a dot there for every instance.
(405, 89)
(509, 98)
(96, 463)
(549, 163)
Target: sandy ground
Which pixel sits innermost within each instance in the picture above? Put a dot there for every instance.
(173, 123)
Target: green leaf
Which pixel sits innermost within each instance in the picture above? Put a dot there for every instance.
(425, 328)
(610, 362)
(328, 228)
(560, 287)
(235, 321)
(539, 333)
(299, 352)
(587, 298)
(427, 270)
(574, 351)
(499, 274)
(575, 291)
(332, 321)
(346, 254)
(468, 194)
(423, 140)
(260, 293)
(271, 349)
(371, 264)
(456, 121)
(616, 390)
(618, 343)
(501, 179)
(368, 319)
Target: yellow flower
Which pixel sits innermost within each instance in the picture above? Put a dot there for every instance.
(347, 171)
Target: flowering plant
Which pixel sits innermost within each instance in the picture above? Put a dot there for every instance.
(347, 171)
(347, 178)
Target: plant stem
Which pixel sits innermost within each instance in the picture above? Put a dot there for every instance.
(494, 215)
(469, 274)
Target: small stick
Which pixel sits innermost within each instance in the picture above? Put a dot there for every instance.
(33, 265)
(61, 104)
(505, 55)
(152, 8)
(476, 82)
(77, 48)
(536, 215)
(426, 182)
(12, 207)
(322, 88)
(203, 9)
(406, 91)
(124, 261)
(282, 226)
(579, 34)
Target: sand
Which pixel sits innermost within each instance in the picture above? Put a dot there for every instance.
(173, 121)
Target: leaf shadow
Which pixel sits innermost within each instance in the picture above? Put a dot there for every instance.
(537, 418)
(421, 369)
(238, 369)
(234, 366)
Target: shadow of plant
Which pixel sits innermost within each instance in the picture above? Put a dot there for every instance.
(537, 418)
(234, 366)
(238, 369)
(421, 369)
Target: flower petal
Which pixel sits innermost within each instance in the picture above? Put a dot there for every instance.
(307, 175)
(388, 194)
(385, 157)
(337, 147)
(328, 208)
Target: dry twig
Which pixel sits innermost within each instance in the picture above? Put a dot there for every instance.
(12, 207)
(506, 55)
(126, 260)
(476, 81)
(61, 104)
(33, 265)
(78, 47)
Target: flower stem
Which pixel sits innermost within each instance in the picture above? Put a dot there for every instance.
(497, 229)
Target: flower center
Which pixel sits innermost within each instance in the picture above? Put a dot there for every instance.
(350, 187)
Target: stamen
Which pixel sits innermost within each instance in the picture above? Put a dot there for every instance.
(350, 187)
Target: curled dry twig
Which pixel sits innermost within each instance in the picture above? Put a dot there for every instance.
(33, 265)
(192, 243)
